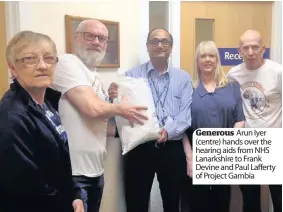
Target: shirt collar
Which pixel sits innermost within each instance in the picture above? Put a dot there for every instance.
(150, 67)
(202, 91)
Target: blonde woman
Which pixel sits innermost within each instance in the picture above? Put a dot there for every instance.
(216, 103)
(34, 156)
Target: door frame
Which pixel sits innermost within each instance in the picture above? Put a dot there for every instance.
(3, 65)
(174, 27)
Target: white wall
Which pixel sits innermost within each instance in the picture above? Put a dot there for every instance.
(276, 37)
(175, 29)
(144, 21)
(48, 18)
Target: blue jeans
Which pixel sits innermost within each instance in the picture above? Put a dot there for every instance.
(91, 189)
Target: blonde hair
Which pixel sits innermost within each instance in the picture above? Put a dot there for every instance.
(209, 47)
(24, 39)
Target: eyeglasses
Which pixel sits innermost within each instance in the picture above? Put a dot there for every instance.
(34, 60)
(155, 42)
(88, 36)
(254, 48)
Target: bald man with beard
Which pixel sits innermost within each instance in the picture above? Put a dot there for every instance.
(84, 109)
(261, 87)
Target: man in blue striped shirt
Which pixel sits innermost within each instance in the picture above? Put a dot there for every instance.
(172, 90)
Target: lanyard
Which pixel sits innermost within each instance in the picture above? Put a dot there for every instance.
(158, 98)
(159, 95)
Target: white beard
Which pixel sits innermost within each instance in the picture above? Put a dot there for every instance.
(91, 58)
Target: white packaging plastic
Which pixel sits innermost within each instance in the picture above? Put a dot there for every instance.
(137, 92)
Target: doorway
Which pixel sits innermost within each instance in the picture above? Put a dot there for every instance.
(223, 23)
(3, 65)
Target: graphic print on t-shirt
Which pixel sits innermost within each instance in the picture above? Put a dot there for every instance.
(254, 100)
(56, 122)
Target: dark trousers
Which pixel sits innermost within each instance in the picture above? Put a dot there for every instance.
(276, 196)
(206, 198)
(140, 165)
(251, 198)
(186, 195)
(252, 201)
(91, 189)
(35, 203)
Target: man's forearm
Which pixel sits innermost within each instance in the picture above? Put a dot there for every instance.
(106, 110)
(90, 105)
(187, 147)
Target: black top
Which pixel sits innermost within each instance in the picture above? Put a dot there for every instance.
(53, 97)
(34, 160)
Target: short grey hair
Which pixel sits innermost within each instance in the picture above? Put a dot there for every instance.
(23, 39)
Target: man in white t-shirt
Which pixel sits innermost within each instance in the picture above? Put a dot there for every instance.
(84, 109)
(261, 87)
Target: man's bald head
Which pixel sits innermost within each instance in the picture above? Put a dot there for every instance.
(250, 36)
(252, 49)
(90, 42)
(87, 25)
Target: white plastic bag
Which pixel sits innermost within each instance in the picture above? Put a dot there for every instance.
(137, 92)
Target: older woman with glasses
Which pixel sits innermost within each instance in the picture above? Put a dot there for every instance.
(34, 156)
